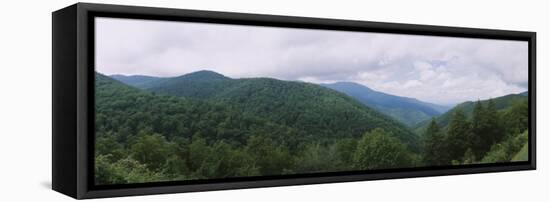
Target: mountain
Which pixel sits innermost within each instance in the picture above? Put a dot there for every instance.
(407, 110)
(201, 84)
(309, 107)
(205, 125)
(253, 127)
(312, 109)
(120, 107)
(526, 93)
(138, 81)
(501, 103)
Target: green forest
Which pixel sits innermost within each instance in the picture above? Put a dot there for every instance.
(204, 125)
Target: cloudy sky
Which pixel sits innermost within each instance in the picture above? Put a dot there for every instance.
(442, 70)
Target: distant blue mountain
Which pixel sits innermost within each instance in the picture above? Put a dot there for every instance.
(410, 111)
(138, 81)
(526, 93)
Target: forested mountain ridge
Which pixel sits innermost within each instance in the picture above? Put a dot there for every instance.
(142, 137)
(145, 136)
(314, 109)
(407, 110)
(489, 131)
(138, 81)
(137, 109)
(501, 103)
(260, 126)
(200, 84)
(207, 84)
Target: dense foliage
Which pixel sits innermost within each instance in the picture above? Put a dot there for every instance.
(205, 125)
(488, 136)
(144, 136)
(500, 103)
(378, 149)
(434, 146)
(310, 108)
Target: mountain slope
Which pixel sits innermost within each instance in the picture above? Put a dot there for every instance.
(407, 110)
(138, 81)
(526, 93)
(143, 136)
(128, 110)
(309, 107)
(501, 103)
(201, 84)
(315, 110)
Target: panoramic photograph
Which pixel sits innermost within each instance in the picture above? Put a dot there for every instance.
(183, 101)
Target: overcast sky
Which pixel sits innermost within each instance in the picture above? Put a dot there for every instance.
(442, 70)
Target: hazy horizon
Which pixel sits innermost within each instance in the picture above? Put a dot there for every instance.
(440, 70)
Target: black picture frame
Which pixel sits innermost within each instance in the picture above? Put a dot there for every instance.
(73, 99)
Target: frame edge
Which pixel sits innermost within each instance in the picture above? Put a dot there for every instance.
(64, 134)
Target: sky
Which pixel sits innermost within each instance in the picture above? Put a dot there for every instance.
(441, 70)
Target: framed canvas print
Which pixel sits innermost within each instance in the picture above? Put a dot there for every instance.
(155, 100)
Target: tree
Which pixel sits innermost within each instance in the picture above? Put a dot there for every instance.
(317, 158)
(269, 157)
(104, 171)
(517, 118)
(225, 161)
(457, 135)
(434, 146)
(505, 150)
(151, 150)
(480, 130)
(378, 149)
(469, 157)
(197, 153)
(495, 132)
(345, 149)
(175, 168)
(123, 171)
(107, 145)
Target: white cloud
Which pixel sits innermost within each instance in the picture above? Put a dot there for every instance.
(436, 69)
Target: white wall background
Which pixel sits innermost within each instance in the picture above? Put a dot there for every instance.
(25, 103)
